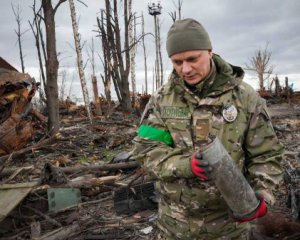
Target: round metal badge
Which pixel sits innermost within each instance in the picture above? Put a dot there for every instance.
(229, 113)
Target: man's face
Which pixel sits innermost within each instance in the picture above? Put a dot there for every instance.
(192, 66)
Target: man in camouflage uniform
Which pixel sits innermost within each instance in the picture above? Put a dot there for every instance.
(204, 96)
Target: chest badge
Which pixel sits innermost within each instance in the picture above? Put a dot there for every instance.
(229, 113)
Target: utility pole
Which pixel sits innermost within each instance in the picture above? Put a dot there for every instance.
(155, 10)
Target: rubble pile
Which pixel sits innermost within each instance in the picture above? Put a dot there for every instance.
(287, 126)
(16, 92)
(82, 184)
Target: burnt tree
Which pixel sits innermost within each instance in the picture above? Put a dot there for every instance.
(106, 61)
(119, 65)
(35, 26)
(98, 110)
(51, 88)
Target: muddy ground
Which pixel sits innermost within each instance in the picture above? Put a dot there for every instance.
(80, 146)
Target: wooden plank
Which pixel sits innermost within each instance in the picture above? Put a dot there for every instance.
(17, 185)
(11, 197)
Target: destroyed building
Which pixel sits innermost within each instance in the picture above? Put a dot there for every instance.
(16, 92)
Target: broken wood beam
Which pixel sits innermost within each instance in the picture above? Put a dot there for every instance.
(67, 170)
(104, 167)
(88, 181)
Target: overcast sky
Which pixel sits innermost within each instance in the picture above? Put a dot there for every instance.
(237, 29)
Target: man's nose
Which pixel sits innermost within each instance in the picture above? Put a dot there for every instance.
(186, 67)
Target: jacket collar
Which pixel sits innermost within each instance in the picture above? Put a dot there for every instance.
(222, 78)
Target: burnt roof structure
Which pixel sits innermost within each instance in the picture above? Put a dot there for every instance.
(6, 65)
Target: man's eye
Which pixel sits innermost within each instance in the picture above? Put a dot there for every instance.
(194, 59)
(177, 63)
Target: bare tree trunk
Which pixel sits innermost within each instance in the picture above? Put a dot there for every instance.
(277, 87)
(111, 48)
(96, 96)
(287, 90)
(156, 75)
(79, 61)
(92, 57)
(145, 56)
(94, 82)
(119, 64)
(179, 9)
(153, 80)
(62, 85)
(39, 42)
(126, 101)
(132, 50)
(106, 57)
(17, 13)
(107, 86)
(51, 66)
(121, 69)
(261, 81)
(159, 54)
(36, 28)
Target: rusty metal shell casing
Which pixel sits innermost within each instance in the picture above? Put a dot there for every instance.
(229, 180)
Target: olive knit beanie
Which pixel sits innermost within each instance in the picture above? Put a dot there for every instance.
(185, 35)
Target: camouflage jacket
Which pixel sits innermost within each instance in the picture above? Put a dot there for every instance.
(176, 118)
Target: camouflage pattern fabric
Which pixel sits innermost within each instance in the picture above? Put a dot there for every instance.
(189, 208)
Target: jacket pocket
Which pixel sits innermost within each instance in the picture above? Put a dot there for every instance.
(180, 130)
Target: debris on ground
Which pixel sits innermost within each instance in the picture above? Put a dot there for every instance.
(84, 176)
(84, 184)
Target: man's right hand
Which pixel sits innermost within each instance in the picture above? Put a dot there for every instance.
(200, 167)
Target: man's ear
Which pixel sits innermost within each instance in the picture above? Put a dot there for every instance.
(210, 52)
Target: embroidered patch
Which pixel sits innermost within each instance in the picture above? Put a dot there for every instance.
(175, 112)
(229, 113)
